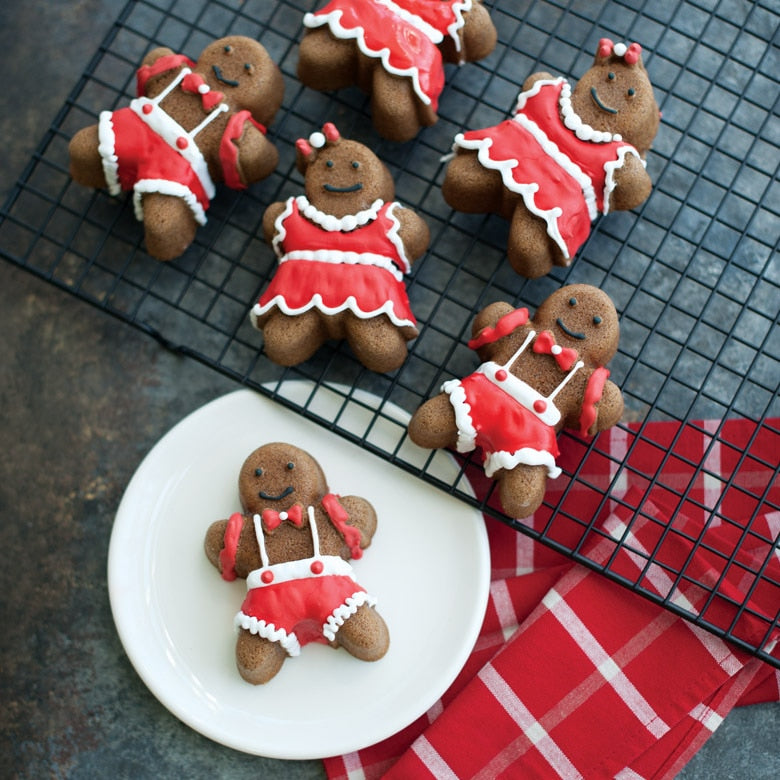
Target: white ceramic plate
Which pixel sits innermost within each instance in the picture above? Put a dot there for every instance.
(428, 565)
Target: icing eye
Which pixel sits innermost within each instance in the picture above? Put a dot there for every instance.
(228, 49)
(258, 472)
(611, 76)
(355, 164)
(248, 67)
(572, 301)
(631, 92)
(329, 163)
(290, 466)
(597, 320)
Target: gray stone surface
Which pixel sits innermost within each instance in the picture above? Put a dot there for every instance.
(83, 399)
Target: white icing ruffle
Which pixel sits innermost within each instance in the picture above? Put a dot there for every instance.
(525, 455)
(269, 631)
(338, 257)
(166, 187)
(467, 433)
(332, 223)
(577, 125)
(107, 152)
(340, 615)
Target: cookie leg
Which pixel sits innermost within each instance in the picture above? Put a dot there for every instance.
(258, 659)
(364, 634)
(290, 340)
(522, 489)
(433, 425)
(169, 226)
(377, 343)
(529, 249)
(470, 187)
(396, 111)
(86, 165)
(326, 62)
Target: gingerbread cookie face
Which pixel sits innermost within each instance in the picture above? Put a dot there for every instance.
(292, 544)
(193, 125)
(538, 376)
(564, 158)
(343, 248)
(395, 52)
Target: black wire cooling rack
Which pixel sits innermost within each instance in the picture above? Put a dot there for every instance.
(694, 273)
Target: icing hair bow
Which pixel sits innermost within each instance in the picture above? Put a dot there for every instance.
(544, 344)
(196, 84)
(272, 519)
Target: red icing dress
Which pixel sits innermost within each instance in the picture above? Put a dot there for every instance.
(145, 150)
(298, 602)
(355, 263)
(404, 34)
(562, 178)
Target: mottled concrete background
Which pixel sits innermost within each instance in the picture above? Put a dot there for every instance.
(83, 399)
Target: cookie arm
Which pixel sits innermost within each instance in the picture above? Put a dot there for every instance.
(633, 185)
(413, 232)
(269, 220)
(602, 404)
(246, 155)
(354, 518)
(221, 545)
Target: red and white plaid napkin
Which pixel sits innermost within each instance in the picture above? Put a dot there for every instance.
(566, 659)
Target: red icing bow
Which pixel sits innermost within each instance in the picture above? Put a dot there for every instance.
(272, 518)
(544, 344)
(196, 84)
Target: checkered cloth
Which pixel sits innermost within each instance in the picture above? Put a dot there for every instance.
(566, 659)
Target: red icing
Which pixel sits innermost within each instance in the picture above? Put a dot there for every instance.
(540, 406)
(543, 345)
(554, 188)
(267, 577)
(399, 43)
(227, 555)
(501, 374)
(503, 327)
(228, 150)
(161, 65)
(272, 518)
(593, 392)
(316, 567)
(298, 282)
(339, 517)
(147, 108)
(182, 142)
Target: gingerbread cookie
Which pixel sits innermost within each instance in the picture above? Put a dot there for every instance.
(395, 51)
(565, 157)
(292, 544)
(539, 375)
(343, 248)
(193, 124)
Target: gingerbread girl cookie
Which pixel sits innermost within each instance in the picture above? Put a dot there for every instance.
(395, 51)
(566, 156)
(343, 248)
(538, 376)
(292, 544)
(193, 124)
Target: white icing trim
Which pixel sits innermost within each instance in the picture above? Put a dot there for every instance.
(287, 571)
(453, 30)
(107, 152)
(467, 433)
(526, 455)
(333, 20)
(577, 125)
(279, 229)
(611, 166)
(337, 257)
(522, 393)
(574, 369)
(315, 302)
(269, 631)
(417, 22)
(340, 615)
(332, 223)
(394, 237)
(166, 187)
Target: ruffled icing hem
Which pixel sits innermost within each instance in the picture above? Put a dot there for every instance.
(269, 631)
(340, 615)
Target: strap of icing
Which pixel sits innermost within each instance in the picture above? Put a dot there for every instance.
(593, 392)
(339, 516)
(507, 323)
(227, 555)
(228, 151)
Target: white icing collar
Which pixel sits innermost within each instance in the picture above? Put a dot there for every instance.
(333, 223)
(574, 122)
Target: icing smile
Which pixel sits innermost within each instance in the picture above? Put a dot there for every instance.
(602, 106)
(268, 497)
(571, 333)
(221, 78)
(352, 188)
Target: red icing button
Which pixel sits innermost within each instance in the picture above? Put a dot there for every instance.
(316, 567)
(540, 406)
(182, 142)
(501, 374)
(147, 108)
(267, 576)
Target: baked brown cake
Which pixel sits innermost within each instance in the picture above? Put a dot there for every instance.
(343, 248)
(292, 544)
(539, 375)
(193, 124)
(566, 156)
(395, 51)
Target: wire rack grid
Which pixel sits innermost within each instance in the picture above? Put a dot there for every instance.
(693, 272)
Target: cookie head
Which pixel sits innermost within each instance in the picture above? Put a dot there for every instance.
(583, 318)
(278, 475)
(616, 96)
(341, 176)
(241, 69)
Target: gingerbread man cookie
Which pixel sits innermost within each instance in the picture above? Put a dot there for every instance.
(538, 376)
(292, 544)
(566, 156)
(395, 51)
(193, 124)
(343, 248)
